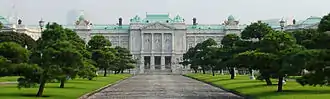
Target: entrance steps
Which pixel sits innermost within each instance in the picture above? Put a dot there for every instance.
(158, 72)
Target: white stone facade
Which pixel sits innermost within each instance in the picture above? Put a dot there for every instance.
(159, 46)
(157, 41)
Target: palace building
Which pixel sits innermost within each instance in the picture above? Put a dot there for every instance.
(158, 41)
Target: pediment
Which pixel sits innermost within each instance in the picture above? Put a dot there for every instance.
(158, 26)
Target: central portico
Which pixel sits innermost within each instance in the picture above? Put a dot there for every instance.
(153, 44)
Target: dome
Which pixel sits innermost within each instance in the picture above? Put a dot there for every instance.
(231, 17)
(3, 20)
(81, 18)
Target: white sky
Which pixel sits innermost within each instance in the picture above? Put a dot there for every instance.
(206, 11)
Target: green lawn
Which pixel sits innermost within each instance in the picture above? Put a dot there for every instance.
(8, 79)
(258, 89)
(73, 88)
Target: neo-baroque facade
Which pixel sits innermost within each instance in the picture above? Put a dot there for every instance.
(157, 41)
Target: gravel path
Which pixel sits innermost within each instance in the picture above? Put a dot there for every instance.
(162, 87)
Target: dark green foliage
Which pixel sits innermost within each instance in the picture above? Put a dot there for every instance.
(124, 59)
(256, 31)
(19, 38)
(14, 52)
(324, 25)
(88, 71)
(312, 39)
(1, 25)
(98, 42)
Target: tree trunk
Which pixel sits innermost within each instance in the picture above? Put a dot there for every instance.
(212, 71)
(195, 70)
(221, 71)
(105, 72)
(268, 81)
(62, 83)
(41, 86)
(280, 84)
(122, 71)
(203, 71)
(232, 73)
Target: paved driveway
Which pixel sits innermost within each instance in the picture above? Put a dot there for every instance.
(162, 87)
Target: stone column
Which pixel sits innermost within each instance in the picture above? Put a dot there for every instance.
(152, 62)
(152, 42)
(173, 64)
(142, 41)
(141, 64)
(163, 43)
(162, 62)
(172, 42)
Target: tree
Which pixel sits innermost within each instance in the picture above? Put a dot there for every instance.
(189, 59)
(98, 42)
(228, 51)
(256, 31)
(68, 59)
(123, 59)
(258, 60)
(316, 62)
(19, 38)
(211, 59)
(14, 52)
(103, 59)
(51, 55)
(324, 25)
(201, 53)
(312, 39)
(1, 25)
(4, 66)
(88, 71)
(101, 52)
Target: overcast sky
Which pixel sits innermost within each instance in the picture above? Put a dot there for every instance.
(206, 11)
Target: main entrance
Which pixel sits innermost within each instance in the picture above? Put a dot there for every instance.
(157, 65)
(156, 62)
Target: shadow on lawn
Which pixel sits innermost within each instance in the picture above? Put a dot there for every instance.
(217, 80)
(239, 82)
(253, 86)
(20, 94)
(291, 92)
(64, 87)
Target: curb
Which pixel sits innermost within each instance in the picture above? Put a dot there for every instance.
(228, 90)
(85, 96)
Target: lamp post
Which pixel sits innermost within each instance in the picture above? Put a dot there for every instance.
(282, 22)
(41, 24)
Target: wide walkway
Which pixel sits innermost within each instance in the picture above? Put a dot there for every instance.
(162, 87)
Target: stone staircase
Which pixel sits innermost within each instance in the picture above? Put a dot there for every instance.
(158, 72)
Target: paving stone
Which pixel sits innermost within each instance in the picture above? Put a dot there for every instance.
(163, 87)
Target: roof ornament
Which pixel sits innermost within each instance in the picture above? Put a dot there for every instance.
(178, 19)
(136, 19)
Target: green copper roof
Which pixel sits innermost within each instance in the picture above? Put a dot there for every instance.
(205, 27)
(162, 18)
(3, 20)
(231, 17)
(312, 20)
(151, 18)
(178, 19)
(81, 18)
(135, 19)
